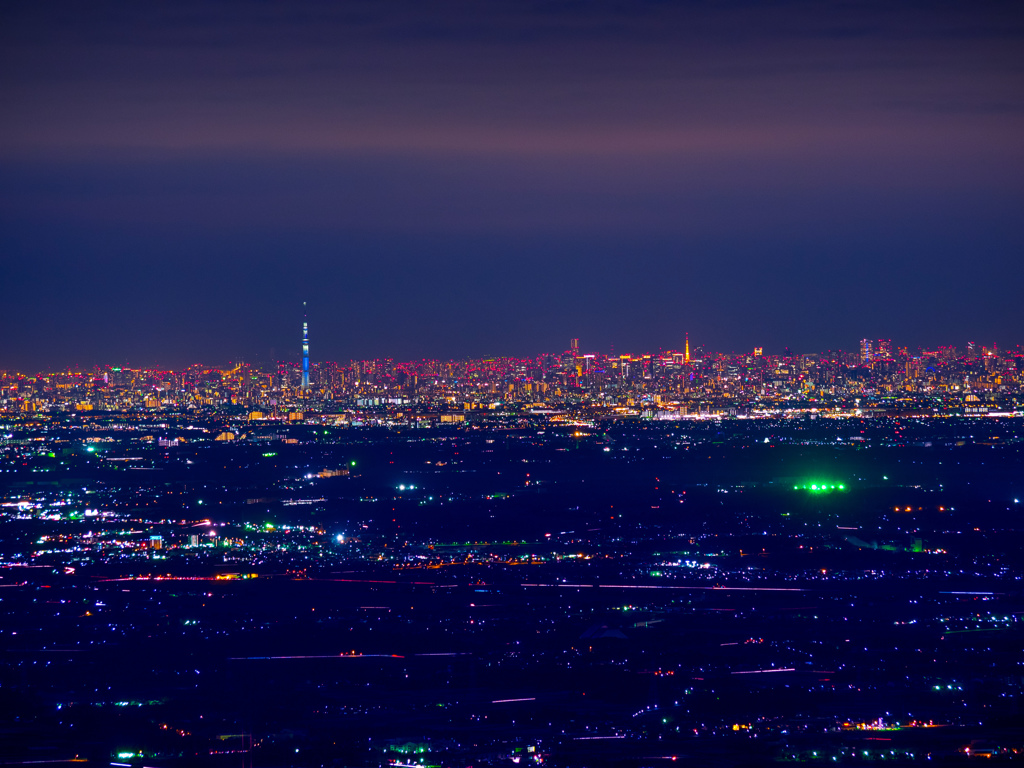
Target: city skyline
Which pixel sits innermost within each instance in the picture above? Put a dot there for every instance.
(852, 353)
(877, 379)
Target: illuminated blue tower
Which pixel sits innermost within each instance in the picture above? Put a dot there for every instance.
(305, 349)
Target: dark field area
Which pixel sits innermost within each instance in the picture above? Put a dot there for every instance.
(713, 593)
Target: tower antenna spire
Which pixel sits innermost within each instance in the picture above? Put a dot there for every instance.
(305, 349)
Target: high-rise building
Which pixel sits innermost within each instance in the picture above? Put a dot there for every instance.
(574, 346)
(305, 349)
(865, 351)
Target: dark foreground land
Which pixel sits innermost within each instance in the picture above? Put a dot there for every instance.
(709, 593)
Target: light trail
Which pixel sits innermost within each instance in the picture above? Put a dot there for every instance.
(672, 586)
(984, 629)
(376, 581)
(508, 701)
(763, 671)
(347, 656)
(464, 653)
(325, 656)
(168, 578)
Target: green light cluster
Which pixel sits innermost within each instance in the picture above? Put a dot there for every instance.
(820, 487)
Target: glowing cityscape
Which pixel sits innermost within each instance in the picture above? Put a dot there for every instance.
(877, 379)
(402, 384)
(574, 559)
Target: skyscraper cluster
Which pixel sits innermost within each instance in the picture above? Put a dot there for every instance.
(667, 384)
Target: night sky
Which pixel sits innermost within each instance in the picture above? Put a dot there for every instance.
(453, 179)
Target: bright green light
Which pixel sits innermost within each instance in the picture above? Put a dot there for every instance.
(90, 449)
(820, 487)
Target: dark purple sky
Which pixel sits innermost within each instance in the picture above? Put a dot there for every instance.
(448, 179)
